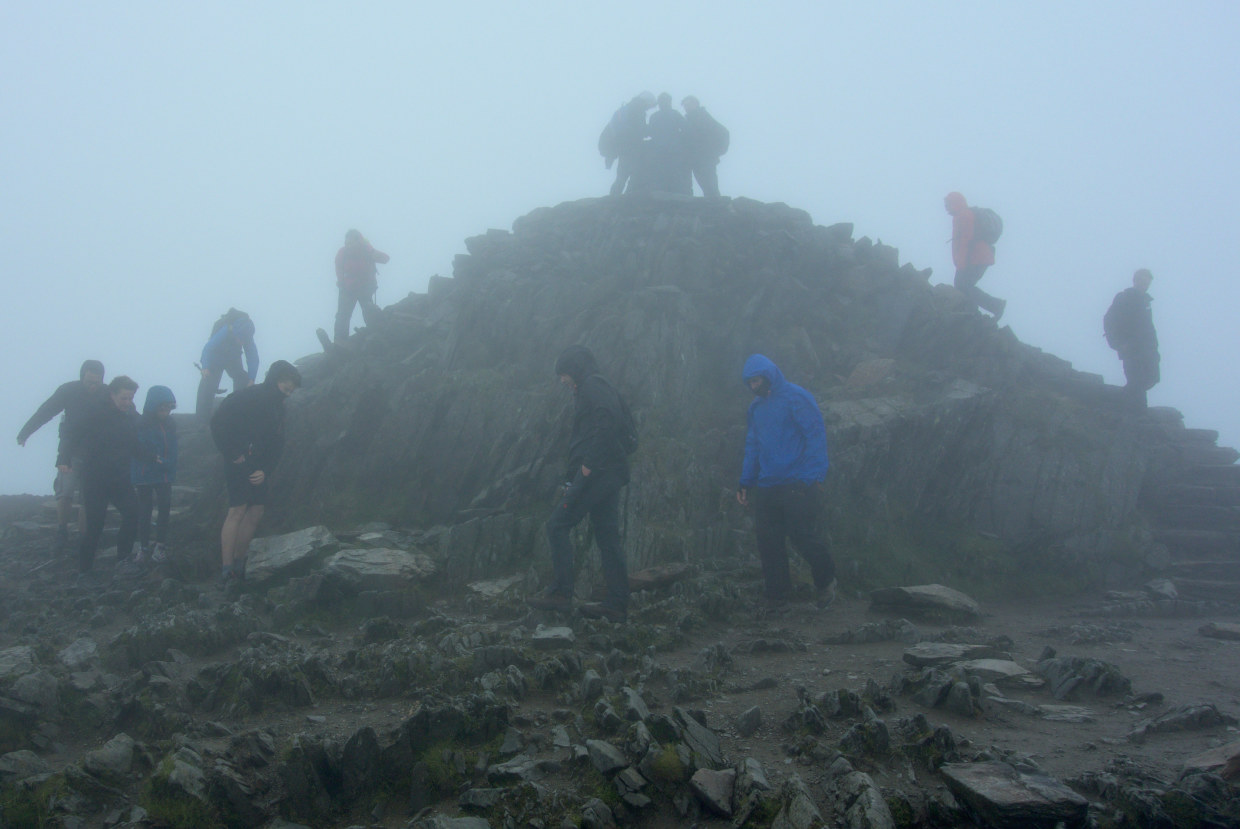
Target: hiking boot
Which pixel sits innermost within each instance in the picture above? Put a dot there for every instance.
(62, 540)
(550, 600)
(825, 597)
(598, 610)
(159, 554)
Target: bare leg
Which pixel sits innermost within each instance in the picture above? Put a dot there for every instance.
(228, 535)
(245, 533)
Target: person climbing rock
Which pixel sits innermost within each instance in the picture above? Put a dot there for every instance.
(231, 336)
(357, 280)
(972, 254)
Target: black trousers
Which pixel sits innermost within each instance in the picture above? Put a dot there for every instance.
(349, 297)
(791, 512)
(97, 493)
(149, 496)
(706, 171)
(1140, 374)
(210, 384)
(599, 498)
(966, 282)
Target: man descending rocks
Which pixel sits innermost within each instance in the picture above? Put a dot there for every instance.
(1129, 328)
(74, 399)
(705, 141)
(785, 464)
(972, 254)
(231, 336)
(108, 439)
(598, 468)
(248, 430)
(357, 279)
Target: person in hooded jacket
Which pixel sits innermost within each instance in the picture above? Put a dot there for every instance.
(154, 475)
(971, 256)
(598, 468)
(107, 436)
(248, 430)
(357, 279)
(630, 138)
(782, 473)
(233, 335)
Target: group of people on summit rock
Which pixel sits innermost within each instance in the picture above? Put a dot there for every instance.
(667, 152)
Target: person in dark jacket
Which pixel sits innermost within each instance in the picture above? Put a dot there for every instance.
(669, 164)
(107, 436)
(248, 430)
(154, 475)
(971, 256)
(598, 468)
(705, 142)
(231, 336)
(782, 474)
(630, 141)
(1129, 329)
(74, 399)
(357, 279)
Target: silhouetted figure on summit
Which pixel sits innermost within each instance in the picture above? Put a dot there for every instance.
(668, 160)
(357, 279)
(705, 141)
(624, 138)
(231, 336)
(1129, 328)
(974, 233)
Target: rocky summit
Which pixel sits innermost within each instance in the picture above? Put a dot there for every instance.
(1038, 591)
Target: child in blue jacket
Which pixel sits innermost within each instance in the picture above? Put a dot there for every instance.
(153, 479)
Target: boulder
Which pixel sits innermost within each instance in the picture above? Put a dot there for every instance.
(1223, 761)
(714, 790)
(606, 758)
(929, 654)
(1004, 798)
(291, 554)
(15, 662)
(379, 568)
(19, 765)
(1221, 630)
(80, 655)
(552, 638)
(926, 599)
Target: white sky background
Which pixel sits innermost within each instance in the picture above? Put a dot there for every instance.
(160, 161)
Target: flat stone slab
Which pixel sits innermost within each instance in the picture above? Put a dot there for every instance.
(287, 555)
(1223, 761)
(998, 671)
(1066, 713)
(1221, 630)
(1004, 797)
(380, 568)
(15, 662)
(494, 588)
(932, 654)
(552, 638)
(926, 599)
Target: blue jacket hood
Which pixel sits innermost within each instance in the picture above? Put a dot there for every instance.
(157, 396)
(759, 365)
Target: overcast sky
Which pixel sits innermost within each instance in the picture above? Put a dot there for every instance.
(161, 161)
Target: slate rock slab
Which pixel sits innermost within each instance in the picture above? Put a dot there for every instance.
(380, 568)
(1005, 798)
(1221, 630)
(926, 599)
(999, 671)
(494, 588)
(15, 662)
(552, 638)
(1223, 761)
(930, 654)
(291, 554)
(714, 789)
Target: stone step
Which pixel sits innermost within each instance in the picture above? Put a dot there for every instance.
(1208, 590)
(1204, 570)
(1197, 517)
(1224, 474)
(1205, 454)
(1199, 544)
(1218, 496)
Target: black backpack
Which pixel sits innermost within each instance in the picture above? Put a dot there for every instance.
(229, 318)
(987, 226)
(720, 137)
(609, 138)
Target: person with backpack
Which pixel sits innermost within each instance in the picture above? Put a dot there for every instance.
(705, 141)
(974, 233)
(782, 473)
(1128, 326)
(154, 474)
(357, 279)
(603, 436)
(248, 430)
(669, 165)
(231, 336)
(74, 399)
(624, 138)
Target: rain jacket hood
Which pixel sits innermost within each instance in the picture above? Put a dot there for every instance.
(577, 362)
(157, 396)
(786, 439)
(955, 203)
(759, 365)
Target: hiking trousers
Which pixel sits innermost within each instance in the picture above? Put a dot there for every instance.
(97, 493)
(365, 297)
(791, 512)
(706, 171)
(1140, 374)
(598, 496)
(966, 283)
(152, 496)
(209, 386)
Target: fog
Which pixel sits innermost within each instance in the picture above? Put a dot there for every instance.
(163, 161)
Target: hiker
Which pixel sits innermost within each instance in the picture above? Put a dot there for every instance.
(154, 475)
(624, 138)
(248, 429)
(73, 398)
(972, 253)
(598, 468)
(107, 436)
(705, 141)
(231, 336)
(1129, 329)
(356, 277)
(785, 464)
(668, 162)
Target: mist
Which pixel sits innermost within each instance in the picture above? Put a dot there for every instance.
(163, 162)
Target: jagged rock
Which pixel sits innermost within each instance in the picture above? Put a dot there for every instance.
(1162, 589)
(1221, 630)
(291, 554)
(494, 588)
(959, 700)
(1223, 761)
(630, 780)
(930, 654)
(552, 638)
(1001, 796)
(113, 761)
(867, 739)
(863, 804)
(479, 799)
(79, 655)
(605, 757)
(15, 662)
(596, 814)
(635, 709)
(703, 742)
(38, 688)
(999, 671)
(1068, 676)
(668, 764)
(379, 568)
(444, 822)
(1184, 718)
(521, 767)
(926, 599)
(748, 723)
(19, 765)
(591, 686)
(714, 789)
(799, 810)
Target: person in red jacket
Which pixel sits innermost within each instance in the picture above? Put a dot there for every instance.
(356, 278)
(971, 256)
